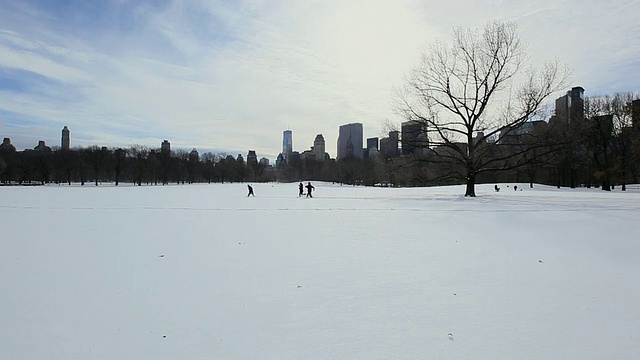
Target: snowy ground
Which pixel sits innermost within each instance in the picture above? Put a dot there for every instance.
(203, 272)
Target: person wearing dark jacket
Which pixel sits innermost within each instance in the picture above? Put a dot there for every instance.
(301, 189)
(309, 189)
(251, 191)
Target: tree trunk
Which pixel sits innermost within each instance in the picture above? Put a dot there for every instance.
(606, 184)
(471, 186)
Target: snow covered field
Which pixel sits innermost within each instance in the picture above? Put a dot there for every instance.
(203, 272)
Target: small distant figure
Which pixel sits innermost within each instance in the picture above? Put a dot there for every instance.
(309, 189)
(515, 187)
(250, 191)
(496, 188)
(300, 189)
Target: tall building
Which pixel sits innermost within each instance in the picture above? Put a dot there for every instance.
(287, 145)
(350, 141)
(6, 145)
(372, 143)
(65, 139)
(252, 158)
(318, 148)
(414, 138)
(165, 148)
(389, 145)
(372, 146)
(194, 156)
(570, 107)
(41, 146)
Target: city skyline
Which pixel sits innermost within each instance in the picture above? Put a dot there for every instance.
(229, 77)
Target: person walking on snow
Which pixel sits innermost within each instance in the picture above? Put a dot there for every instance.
(251, 191)
(301, 189)
(309, 189)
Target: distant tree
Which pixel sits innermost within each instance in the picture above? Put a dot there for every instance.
(138, 155)
(9, 157)
(182, 165)
(208, 166)
(612, 135)
(477, 84)
(3, 166)
(97, 158)
(119, 156)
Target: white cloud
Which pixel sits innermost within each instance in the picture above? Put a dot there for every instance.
(234, 75)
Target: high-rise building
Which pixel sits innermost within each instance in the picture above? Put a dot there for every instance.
(41, 146)
(6, 145)
(252, 158)
(318, 148)
(414, 138)
(350, 141)
(165, 148)
(389, 145)
(287, 145)
(570, 107)
(264, 162)
(64, 145)
(372, 144)
(194, 156)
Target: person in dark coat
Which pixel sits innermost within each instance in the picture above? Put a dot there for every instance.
(309, 189)
(496, 188)
(301, 189)
(250, 191)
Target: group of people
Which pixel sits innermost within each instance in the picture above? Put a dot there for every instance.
(309, 187)
(301, 187)
(496, 188)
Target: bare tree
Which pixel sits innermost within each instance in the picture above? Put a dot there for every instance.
(477, 85)
(611, 124)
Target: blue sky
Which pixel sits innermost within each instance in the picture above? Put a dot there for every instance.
(229, 76)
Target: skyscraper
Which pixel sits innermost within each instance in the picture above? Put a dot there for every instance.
(372, 143)
(194, 156)
(372, 146)
(570, 108)
(65, 139)
(414, 138)
(318, 148)
(252, 158)
(389, 145)
(287, 145)
(165, 148)
(350, 141)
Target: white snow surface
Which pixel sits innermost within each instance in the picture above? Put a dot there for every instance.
(204, 272)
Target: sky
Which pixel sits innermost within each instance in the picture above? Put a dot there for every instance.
(231, 76)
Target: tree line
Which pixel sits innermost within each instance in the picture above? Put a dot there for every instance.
(136, 164)
(599, 147)
(478, 112)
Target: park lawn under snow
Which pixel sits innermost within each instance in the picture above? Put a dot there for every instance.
(203, 272)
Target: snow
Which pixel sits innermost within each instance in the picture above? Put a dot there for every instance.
(204, 272)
